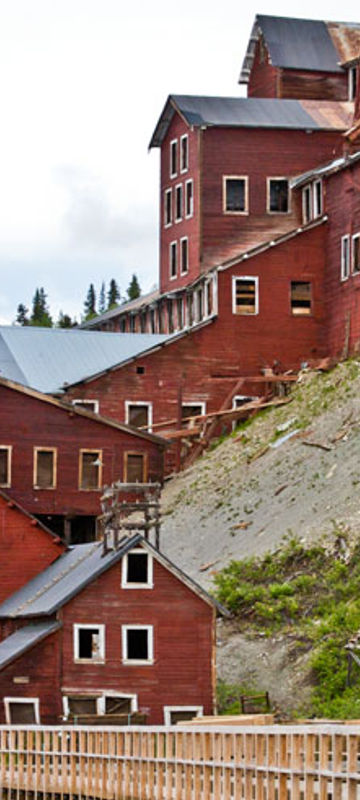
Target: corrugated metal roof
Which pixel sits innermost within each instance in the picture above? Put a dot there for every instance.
(20, 641)
(256, 112)
(132, 305)
(49, 358)
(325, 169)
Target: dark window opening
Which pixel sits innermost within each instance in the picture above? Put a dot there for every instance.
(189, 202)
(235, 194)
(279, 195)
(170, 316)
(300, 298)
(132, 323)
(356, 253)
(138, 416)
(4, 466)
(89, 643)
(82, 705)
(117, 705)
(122, 324)
(184, 153)
(173, 260)
(168, 207)
(86, 405)
(135, 468)
(22, 713)
(137, 644)
(152, 320)
(184, 256)
(178, 202)
(179, 716)
(191, 410)
(137, 568)
(45, 474)
(173, 158)
(180, 312)
(140, 370)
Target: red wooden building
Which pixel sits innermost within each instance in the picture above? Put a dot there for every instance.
(55, 458)
(121, 631)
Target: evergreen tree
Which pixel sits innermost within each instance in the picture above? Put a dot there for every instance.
(22, 315)
(102, 301)
(133, 290)
(40, 315)
(90, 303)
(65, 321)
(113, 294)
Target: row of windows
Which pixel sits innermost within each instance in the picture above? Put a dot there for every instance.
(178, 257)
(245, 299)
(236, 195)
(179, 155)
(45, 468)
(350, 255)
(137, 644)
(178, 203)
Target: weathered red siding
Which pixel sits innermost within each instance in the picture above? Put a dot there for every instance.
(41, 666)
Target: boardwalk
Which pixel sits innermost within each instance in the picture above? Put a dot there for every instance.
(313, 762)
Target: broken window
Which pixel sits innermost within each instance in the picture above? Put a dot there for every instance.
(89, 642)
(87, 405)
(278, 195)
(90, 469)
(137, 570)
(192, 410)
(184, 255)
(184, 153)
(173, 260)
(300, 298)
(5, 466)
(168, 207)
(173, 158)
(138, 415)
(245, 295)
(178, 202)
(345, 257)
(189, 198)
(137, 643)
(235, 195)
(135, 467)
(356, 252)
(44, 468)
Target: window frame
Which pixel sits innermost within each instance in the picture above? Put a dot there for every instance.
(269, 179)
(145, 456)
(352, 83)
(355, 237)
(77, 626)
(173, 159)
(245, 179)
(8, 448)
(173, 248)
(184, 240)
(34, 700)
(317, 208)
(200, 403)
(184, 139)
(125, 584)
(147, 403)
(189, 198)
(307, 196)
(345, 262)
(36, 451)
(124, 645)
(86, 401)
(168, 222)
(198, 712)
(179, 193)
(99, 454)
(295, 313)
(244, 278)
(99, 695)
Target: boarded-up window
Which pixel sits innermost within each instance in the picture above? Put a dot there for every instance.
(44, 468)
(90, 469)
(135, 468)
(300, 298)
(235, 199)
(278, 195)
(245, 299)
(5, 455)
(22, 713)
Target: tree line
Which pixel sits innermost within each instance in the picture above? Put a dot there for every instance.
(93, 305)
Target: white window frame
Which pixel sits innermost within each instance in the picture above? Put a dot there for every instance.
(345, 262)
(307, 193)
(268, 183)
(356, 236)
(184, 138)
(190, 213)
(100, 696)
(182, 240)
(34, 700)
(173, 246)
(150, 571)
(254, 278)
(201, 403)
(198, 712)
(168, 193)
(316, 209)
(244, 178)
(36, 451)
(8, 448)
(124, 631)
(86, 402)
(179, 190)
(147, 403)
(86, 626)
(173, 145)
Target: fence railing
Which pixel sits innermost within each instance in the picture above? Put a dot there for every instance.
(314, 762)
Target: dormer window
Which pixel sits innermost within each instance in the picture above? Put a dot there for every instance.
(352, 82)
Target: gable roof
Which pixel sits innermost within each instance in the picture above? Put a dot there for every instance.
(303, 44)
(82, 412)
(48, 359)
(125, 308)
(22, 640)
(324, 170)
(74, 570)
(33, 520)
(253, 112)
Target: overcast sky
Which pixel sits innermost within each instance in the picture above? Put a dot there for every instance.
(82, 85)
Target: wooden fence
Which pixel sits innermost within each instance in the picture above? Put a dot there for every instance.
(280, 762)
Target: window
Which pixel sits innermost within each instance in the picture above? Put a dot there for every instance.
(173, 158)
(307, 204)
(189, 198)
(208, 298)
(87, 405)
(300, 298)
(170, 316)
(189, 309)
(90, 469)
(180, 312)
(173, 260)
(122, 324)
(138, 414)
(184, 153)
(143, 322)
(184, 255)
(345, 257)
(352, 82)
(175, 714)
(45, 467)
(199, 298)
(99, 702)
(137, 644)
(168, 207)
(135, 467)
(89, 643)
(5, 466)
(22, 710)
(178, 203)
(318, 204)
(132, 323)
(137, 570)
(245, 295)
(356, 252)
(192, 410)
(278, 195)
(235, 191)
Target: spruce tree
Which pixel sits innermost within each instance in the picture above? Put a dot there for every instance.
(40, 315)
(22, 315)
(113, 294)
(102, 301)
(90, 303)
(133, 290)
(65, 321)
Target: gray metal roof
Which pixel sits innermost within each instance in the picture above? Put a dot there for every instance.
(46, 359)
(250, 112)
(325, 169)
(20, 641)
(299, 43)
(125, 308)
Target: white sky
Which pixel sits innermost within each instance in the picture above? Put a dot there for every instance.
(82, 84)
